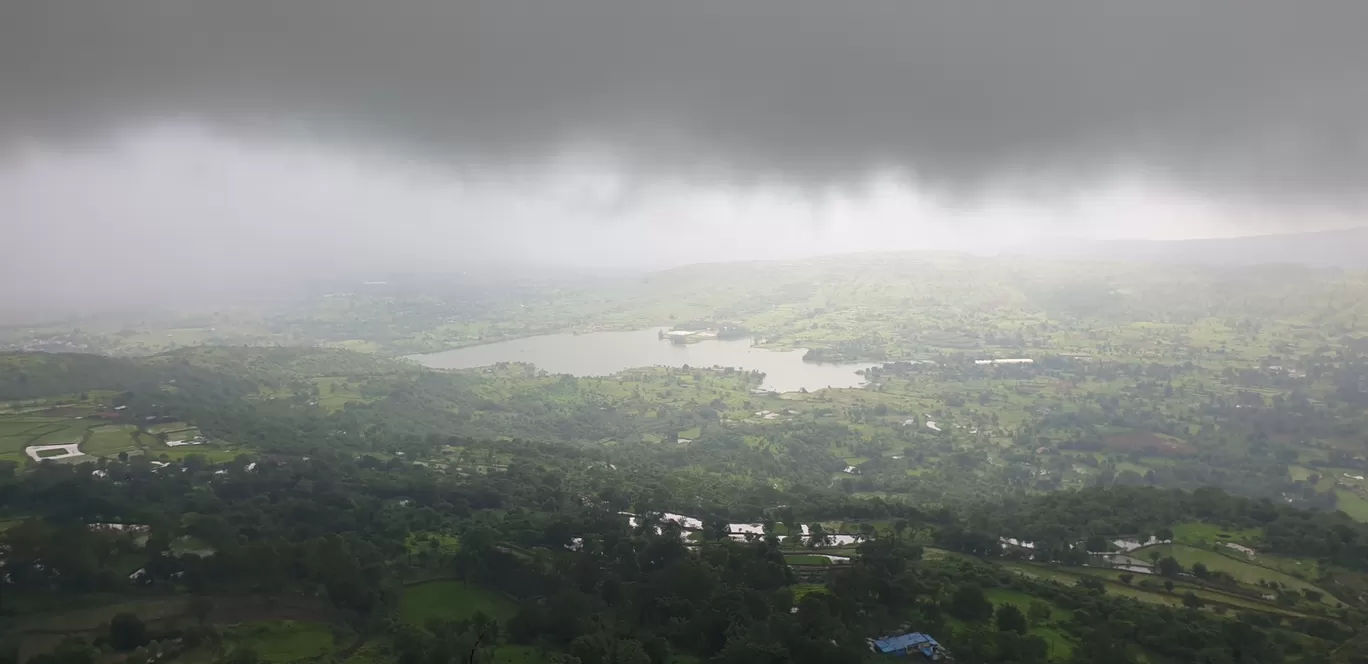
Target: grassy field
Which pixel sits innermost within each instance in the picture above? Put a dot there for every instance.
(69, 432)
(109, 440)
(1000, 596)
(452, 600)
(168, 426)
(1154, 595)
(46, 424)
(1206, 534)
(445, 542)
(1244, 572)
(98, 616)
(802, 590)
(212, 454)
(1352, 504)
(16, 427)
(1061, 646)
(285, 640)
(806, 560)
(510, 654)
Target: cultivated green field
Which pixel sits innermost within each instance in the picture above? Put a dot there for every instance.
(1352, 504)
(109, 440)
(1155, 594)
(1061, 646)
(1247, 573)
(452, 600)
(285, 640)
(441, 542)
(1206, 534)
(799, 559)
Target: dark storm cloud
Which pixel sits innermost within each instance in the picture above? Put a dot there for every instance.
(1256, 93)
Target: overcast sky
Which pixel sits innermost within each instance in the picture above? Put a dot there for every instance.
(156, 145)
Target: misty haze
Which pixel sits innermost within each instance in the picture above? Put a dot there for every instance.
(631, 332)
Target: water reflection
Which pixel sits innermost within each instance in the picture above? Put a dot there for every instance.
(605, 353)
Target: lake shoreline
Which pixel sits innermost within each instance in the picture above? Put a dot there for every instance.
(607, 353)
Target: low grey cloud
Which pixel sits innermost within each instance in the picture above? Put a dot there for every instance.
(202, 149)
(1263, 96)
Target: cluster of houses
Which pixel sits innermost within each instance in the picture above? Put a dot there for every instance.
(1118, 558)
(742, 532)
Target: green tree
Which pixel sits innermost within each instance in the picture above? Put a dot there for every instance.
(628, 651)
(201, 607)
(1168, 566)
(1010, 619)
(817, 536)
(127, 631)
(592, 648)
(970, 605)
(1039, 613)
(900, 526)
(658, 649)
(243, 654)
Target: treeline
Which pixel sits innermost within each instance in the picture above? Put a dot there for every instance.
(546, 532)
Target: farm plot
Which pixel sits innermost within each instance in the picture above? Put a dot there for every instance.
(168, 428)
(1152, 594)
(1352, 504)
(110, 440)
(1206, 534)
(1061, 646)
(1244, 572)
(286, 640)
(452, 600)
(66, 432)
(1156, 444)
(19, 432)
(18, 427)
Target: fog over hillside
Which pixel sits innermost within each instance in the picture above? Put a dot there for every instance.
(1347, 248)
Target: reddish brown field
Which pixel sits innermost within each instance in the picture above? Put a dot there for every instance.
(1148, 443)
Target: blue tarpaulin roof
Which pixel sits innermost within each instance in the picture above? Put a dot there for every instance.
(915, 640)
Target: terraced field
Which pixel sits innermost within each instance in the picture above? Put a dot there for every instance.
(84, 424)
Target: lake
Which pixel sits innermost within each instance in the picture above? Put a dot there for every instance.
(607, 353)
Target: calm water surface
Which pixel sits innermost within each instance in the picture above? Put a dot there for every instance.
(606, 353)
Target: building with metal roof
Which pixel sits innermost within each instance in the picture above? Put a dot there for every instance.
(908, 644)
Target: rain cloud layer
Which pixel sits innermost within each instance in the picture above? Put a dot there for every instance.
(260, 141)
